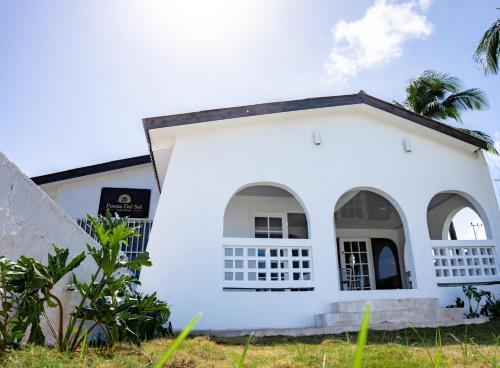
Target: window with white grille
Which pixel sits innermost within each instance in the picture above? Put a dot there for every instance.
(278, 265)
(464, 261)
(268, 226)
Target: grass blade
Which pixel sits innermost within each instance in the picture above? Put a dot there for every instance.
(84, 345)
(240, 363)
(177, 342)
(363, 334)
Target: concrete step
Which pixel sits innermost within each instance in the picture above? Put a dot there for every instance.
(390, 312)
(337, 329)
(385, 305)
(400, 316)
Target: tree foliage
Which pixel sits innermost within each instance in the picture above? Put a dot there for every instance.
(440, 96)
(488, 49)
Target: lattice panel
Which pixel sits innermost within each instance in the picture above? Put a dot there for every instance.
(464, 261)
(267, 264)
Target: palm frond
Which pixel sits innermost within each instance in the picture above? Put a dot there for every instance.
(468, 100)
(440, 96)
(490, 143)
(488, 49)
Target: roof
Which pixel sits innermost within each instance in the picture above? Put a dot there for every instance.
(93, 169)
(305, 104)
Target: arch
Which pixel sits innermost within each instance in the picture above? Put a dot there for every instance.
(381, 193)
(253, 204)
(375, 218)
(443, 209)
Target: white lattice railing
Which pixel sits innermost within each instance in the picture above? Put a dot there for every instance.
(267, 267)
(136, 245)
(464, 261)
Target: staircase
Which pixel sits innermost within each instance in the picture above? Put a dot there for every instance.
(392, 314)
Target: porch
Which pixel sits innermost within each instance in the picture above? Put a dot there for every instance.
(267, 247)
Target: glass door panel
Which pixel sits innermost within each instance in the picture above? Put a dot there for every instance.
(355, 255)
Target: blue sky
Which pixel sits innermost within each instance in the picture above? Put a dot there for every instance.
(77, 77)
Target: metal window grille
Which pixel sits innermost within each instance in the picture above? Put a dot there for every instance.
(135, 245)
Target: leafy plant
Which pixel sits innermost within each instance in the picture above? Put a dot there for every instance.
(47, 276)
(491, 307)
(475, 295)
(143, 318)
(459, 303)
(12, 326)
(109, 299)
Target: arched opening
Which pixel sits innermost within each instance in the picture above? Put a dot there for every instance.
(451, 216)
(265, 211)
(371, 242)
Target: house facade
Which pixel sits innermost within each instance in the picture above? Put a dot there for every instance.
(291, 214)
(270, 213)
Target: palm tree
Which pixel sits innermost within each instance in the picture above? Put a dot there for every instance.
(440, 96)
(488, 50)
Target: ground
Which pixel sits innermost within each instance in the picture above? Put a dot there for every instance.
(473, 346)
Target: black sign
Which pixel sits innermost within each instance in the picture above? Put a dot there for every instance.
(125, 202)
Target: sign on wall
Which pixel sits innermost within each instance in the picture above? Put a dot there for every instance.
(125, 202)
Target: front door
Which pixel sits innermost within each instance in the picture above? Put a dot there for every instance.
(386, 264)
(355, 254)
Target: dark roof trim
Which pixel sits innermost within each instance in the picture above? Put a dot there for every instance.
(305, 104)
(93, 169)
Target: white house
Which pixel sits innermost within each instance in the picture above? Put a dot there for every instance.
(270, 213)
(292, 214)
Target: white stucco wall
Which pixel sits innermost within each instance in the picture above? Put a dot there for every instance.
(30, 222)
(80, 196)
(361, 148)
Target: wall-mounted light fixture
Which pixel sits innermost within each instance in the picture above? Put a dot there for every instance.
(406, 145)
(316, 138)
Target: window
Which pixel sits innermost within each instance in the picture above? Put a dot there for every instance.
(280, 225)
(268, 227)
(297, 226)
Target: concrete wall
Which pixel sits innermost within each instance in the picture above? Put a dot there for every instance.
(80, 196)
(30, 222)
(361, 148)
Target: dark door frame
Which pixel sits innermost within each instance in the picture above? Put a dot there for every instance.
(378, 244)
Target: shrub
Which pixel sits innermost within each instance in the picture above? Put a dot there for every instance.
(491, 307)
(108, 300)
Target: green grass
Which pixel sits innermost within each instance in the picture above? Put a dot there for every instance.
(472, 346)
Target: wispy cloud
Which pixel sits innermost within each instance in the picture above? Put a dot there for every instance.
(376, 38)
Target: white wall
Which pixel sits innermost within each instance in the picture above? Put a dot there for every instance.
(361, 148)
(30, 222)
(80, 196)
